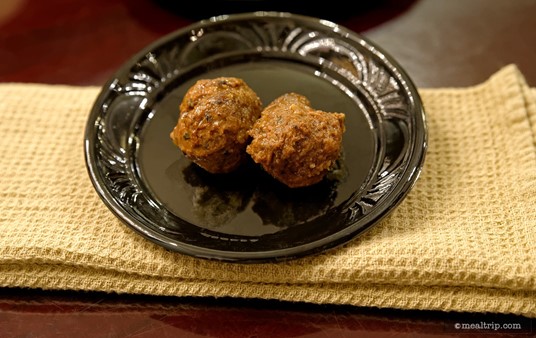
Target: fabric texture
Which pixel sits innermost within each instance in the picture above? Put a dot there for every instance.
(462, 240)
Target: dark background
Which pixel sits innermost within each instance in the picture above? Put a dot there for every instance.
(440, 43)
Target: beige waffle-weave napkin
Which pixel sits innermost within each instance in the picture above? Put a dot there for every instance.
(463, 240)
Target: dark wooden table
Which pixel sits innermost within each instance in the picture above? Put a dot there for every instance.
(440, 43)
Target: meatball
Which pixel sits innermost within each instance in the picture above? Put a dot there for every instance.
(215, 116)
(296, 143)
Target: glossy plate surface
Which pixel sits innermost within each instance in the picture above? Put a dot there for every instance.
(246, 216)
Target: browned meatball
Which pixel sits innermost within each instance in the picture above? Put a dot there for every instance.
(215, 116)
(295, 143)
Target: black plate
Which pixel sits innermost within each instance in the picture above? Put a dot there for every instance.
(247, 216)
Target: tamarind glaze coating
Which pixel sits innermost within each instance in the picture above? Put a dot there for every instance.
(215, 116)
(296, 143)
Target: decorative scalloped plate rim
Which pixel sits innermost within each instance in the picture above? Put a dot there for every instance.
(149, 185)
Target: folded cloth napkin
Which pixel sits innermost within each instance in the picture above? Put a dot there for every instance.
(463, 239)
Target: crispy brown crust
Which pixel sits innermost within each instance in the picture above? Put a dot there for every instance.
(295, 143)
(215, 116)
